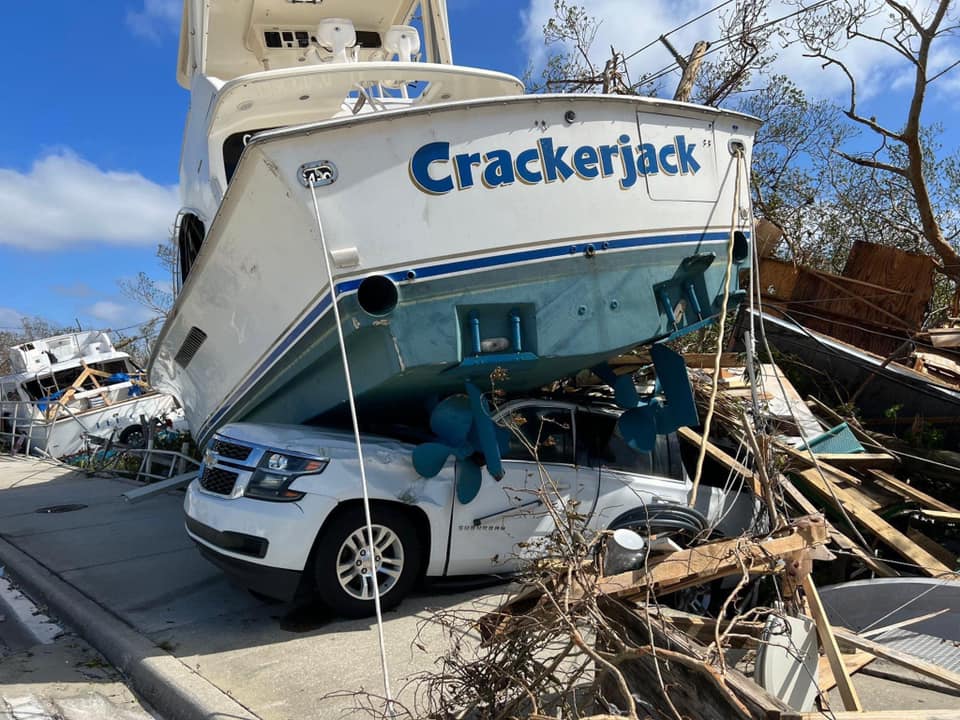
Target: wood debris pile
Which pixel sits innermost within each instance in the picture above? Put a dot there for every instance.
(696, 632)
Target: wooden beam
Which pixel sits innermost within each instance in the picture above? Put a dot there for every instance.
(837, 537)
(952, 516)
(892, 537)
(911, 662)
(802, 458)
(909, 491)
(854, 662)
(722, 457)
(945, 556)
(704, 563)
(848, 693)
(857, 461)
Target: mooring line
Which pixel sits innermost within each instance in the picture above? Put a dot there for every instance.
(356, 436)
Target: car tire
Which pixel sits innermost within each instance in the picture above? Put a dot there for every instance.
(341, 572)
(133, 437)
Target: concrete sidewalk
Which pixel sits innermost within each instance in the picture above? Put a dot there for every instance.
(239, 656)
(127, 578)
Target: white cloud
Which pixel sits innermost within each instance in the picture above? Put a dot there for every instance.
(156, 18)
(64, 200)
(628, 25)
(117, 314)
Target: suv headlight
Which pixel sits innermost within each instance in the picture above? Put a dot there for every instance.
(277, 471)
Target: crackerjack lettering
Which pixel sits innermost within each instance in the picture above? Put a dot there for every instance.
(434, 171)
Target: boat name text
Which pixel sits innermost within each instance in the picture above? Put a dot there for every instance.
(435, 172)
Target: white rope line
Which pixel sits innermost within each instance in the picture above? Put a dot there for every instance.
(734, 224)
(356, 436)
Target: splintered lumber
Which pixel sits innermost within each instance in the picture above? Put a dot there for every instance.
(848, 693)
(703, 629)
(833, 495)
(695, 688)
(705, 563)
(911, 662)
(802, 457)
(837, 537)
(675, 571)
(856, 461)
(933, 547)
(854, 662)
(898, 486)
(719, 455)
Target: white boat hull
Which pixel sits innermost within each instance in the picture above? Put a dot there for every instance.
(464, 208)
(68, 434)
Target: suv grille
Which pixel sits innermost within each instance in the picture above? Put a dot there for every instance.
(231, 450)
(218, 481)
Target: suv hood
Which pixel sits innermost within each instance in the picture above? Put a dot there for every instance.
(321, 442)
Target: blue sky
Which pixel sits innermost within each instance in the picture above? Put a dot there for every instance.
(89, 143)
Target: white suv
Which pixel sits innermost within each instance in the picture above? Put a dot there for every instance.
(278, 506)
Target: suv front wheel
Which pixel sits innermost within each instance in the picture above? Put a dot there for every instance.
(344, 566)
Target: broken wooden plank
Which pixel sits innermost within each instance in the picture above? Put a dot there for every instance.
(911, 662)
(945, 556)
(848, 693)
(909, 491)
(943, 515)
(859, 461)
(704, 563)
(854, 662)
(802, 458)
(832, 495)
(838, 538)
(695, 688)
(721, 456)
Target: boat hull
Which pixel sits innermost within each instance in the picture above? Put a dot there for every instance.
(540, 278)
(67, 435)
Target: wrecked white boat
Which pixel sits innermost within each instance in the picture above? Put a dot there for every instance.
(470, 226)
(70, 391)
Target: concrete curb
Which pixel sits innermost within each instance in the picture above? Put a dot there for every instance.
(170, 687)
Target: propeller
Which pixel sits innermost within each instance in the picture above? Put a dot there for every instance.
(465, 431)
(641, 424)
(624, 391)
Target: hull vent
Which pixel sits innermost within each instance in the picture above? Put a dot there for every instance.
(191, 344)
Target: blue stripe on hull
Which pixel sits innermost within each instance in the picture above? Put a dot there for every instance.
(436, 271)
